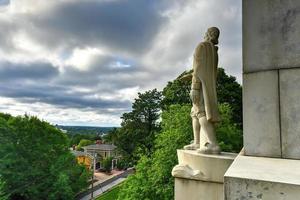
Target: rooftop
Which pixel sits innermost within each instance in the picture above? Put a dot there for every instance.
(107, 147)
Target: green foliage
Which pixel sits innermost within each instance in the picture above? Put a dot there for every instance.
(122, 164)
(2, 185)
(107, 164)
(85, 130)
(74, 139)
(153, 178)
(111, 194)
(35, 161)
(177, 92)
(83, 143)
(230, 91)
(229, 135)
(62, 189)
(138, 128)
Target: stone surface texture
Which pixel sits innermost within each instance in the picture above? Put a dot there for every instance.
(262, 178)
(212, 167)
(271, 30)
(209, 169)
(261, 114)
(290, 112)
(186, 189)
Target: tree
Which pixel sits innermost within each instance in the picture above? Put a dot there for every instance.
(2, 193)
(153, 178)
(229, 134)
(83, 143)
(107, 164)
(36, 162)
(138, 128)
(228, 91)
(176, 132)
(155, 169)
(177, 91)
(75, 138)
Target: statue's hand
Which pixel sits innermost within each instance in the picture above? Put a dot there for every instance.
(187, 77)
(195, 95)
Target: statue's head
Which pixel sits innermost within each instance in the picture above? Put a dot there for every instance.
(212, 35)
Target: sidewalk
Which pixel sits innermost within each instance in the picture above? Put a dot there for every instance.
(104, 189)
(102, 186)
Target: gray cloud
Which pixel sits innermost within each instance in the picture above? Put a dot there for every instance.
(33, 71)
(59, 96)
(123, 25)
(154, 40)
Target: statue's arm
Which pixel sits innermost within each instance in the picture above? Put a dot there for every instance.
(199, 61)
(187, 77)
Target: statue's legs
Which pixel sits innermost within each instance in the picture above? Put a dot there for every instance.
(196, 130)
(208, 129)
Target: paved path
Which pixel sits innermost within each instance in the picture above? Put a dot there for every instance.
(103, 189)
(105, 185)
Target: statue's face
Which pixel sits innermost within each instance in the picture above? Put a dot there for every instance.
(206, 37)
(211, 36)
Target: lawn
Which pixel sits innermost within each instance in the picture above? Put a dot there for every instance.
(111, 194)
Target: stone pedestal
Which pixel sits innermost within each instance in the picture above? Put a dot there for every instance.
(258, 178)
(200, 176)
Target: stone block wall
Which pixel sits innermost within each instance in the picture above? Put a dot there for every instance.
(271, 78)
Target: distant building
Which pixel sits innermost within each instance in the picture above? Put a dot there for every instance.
(83, 158)
(101, 151)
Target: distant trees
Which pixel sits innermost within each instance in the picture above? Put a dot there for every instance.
(230, 91)
(74, 139)
(153, 178)
(229, 133)
(36, 163)
(138, 128)
(83, 143)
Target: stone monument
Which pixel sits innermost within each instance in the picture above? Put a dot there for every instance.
(204, 94)
(268, 168)
(199, 174)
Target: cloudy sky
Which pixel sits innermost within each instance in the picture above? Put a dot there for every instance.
(82, 62)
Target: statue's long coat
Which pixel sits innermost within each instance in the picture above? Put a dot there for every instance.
(205, 69)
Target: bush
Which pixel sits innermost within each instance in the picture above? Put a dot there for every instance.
(107, 164)
(36, 163)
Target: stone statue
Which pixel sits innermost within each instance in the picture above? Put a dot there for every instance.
(204, 95)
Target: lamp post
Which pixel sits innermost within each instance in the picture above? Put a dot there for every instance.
(94, 157)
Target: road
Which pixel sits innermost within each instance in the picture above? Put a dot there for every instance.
(106, 185)
(103, 189)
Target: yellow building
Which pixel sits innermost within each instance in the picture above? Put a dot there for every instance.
(84, 158)
(102, 151)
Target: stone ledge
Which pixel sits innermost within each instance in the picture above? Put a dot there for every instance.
(262, 178)
(197, 190)
(265, 169)
(203, 167)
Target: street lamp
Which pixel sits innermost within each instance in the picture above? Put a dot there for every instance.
(94, 164)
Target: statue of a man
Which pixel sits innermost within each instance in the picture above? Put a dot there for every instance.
(204, 95)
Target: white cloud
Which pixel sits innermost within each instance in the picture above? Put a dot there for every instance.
(106, 51)
(82, 58)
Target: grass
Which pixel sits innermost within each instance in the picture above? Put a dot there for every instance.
(111, 194)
